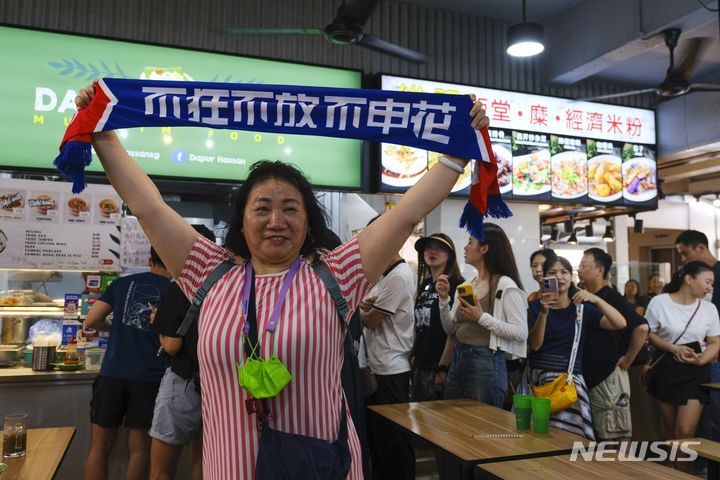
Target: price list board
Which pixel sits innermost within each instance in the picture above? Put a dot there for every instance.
(44, 226)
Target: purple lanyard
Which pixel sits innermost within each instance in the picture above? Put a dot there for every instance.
(278, 303)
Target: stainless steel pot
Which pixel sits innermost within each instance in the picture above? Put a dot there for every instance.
(14, 330)
(10, 355)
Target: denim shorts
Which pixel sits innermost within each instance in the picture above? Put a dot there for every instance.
(478, 373)
(178, 416)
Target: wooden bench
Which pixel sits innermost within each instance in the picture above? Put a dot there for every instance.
(709, 450)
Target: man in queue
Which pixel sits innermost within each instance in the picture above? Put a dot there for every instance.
(609, 354)
(131, 371)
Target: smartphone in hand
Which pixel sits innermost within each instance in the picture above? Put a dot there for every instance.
(465, 291)
(550, 290)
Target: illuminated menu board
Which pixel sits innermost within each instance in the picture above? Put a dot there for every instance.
(44, 70)
(547, 148)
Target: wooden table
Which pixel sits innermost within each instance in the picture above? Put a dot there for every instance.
(710, 386)
(46, 449)
(711, 451)
(460, 428)
(561, 468)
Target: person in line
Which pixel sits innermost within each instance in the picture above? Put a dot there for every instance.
(537, 260)
(275, 218)
(432, 349)
(130, 374)
(655, 287)
(494, 326)
(550, 340)
(387, 316)
(608, 354)
(693, 246)
(680, 322)
(177, 418)
(631, 293)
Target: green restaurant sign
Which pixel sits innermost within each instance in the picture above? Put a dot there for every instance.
(45, 70)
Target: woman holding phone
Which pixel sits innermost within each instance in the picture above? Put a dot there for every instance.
(552, 322)
(488, 327)
(432, 348)
(680, 322)
(537, 259)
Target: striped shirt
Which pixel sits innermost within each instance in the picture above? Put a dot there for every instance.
(308, 340)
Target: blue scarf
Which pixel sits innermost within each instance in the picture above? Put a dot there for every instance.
(434, 122)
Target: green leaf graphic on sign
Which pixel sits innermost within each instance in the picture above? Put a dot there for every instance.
(87, 70)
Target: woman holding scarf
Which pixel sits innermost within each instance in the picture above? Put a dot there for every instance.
(275, 222)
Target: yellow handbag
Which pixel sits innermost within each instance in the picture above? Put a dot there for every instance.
(561, 391)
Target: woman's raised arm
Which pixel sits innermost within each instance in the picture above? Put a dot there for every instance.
(171, 236)
(381, 240)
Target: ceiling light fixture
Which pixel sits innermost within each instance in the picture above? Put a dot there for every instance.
(525, 39)
(638, 224)
(573, 239)
(554, 233)
(609, 235)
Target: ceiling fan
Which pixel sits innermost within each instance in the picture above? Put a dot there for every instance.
(677, 78)
(345, 29)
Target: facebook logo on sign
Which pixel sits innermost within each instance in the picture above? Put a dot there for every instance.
(179, 156)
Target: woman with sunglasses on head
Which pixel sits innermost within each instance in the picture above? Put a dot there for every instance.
(552, 321)
(681, 321)
(432, 348)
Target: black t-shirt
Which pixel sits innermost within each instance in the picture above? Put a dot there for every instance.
(429, 334)
(170, 314)
(603, 348)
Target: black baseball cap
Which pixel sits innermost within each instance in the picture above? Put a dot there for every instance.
(421, 244)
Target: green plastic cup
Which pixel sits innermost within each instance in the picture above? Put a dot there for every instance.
(523, 410)
(541, 414)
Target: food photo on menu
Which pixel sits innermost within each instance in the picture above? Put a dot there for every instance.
(77, 208)
(502, 148)
(569, 168)
(43, 206)
(639, 172)
(12, 204)
(108, 207)
(402, 166)
(604, 165)
(531, 165)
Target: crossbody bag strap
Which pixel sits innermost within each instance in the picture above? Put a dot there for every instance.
(688, 323)
(200, 294)
(322, 271)
(579, 309)
(343, 309)
(652, 365)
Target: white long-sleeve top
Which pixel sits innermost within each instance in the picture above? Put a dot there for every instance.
(507, 323)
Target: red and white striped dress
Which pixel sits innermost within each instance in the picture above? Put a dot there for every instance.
(308, 340)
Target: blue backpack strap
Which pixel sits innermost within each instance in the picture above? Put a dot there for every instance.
(197, 301)
(331, 284)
